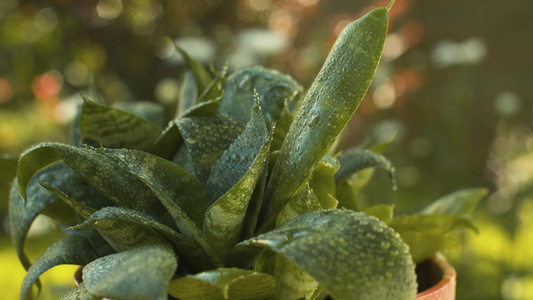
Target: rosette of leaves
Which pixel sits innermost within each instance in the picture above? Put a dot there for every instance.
(236, 198)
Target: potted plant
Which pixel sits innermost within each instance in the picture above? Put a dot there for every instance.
(239, 197)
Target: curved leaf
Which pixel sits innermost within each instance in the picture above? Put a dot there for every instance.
(224, 283)
(356, 160)
(150, 111)
(206, 139)
(461, 202)
(352, 255)
(21, 216)
(275, 91)
(323, 183)
(105, 174)
(384, 212)
(139, 273)
(137, 227)
(113, 128)
(72, 249)
(327, 107)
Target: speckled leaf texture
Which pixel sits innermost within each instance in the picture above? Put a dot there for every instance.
(327, 107)
(232, 181)
(72, 249)
(140, 273)
(352, 255)
(224, 283)
(80, 293)
(274, 89)
(114, 128)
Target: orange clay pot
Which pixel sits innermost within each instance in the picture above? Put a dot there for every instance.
(436, 279)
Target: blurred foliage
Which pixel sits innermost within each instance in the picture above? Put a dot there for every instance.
(453, 86)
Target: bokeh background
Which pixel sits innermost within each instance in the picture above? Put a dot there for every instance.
(454, 86)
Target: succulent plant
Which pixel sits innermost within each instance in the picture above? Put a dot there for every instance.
(238, 197)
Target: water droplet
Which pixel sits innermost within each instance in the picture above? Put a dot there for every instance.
(314, 121)
(377, 228)
(385, 245)
(370, 236)
(236, 158)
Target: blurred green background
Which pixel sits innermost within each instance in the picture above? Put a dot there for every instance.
(454, 85)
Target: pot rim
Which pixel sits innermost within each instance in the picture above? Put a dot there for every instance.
(445, 288)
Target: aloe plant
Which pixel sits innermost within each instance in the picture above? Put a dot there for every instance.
(237, 198)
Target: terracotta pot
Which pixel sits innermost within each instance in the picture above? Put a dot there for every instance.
(436, 279)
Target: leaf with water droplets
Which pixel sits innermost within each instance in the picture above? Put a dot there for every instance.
(71, 249)
(206, 139)
(274, 89)
(333, 97)
(105, 174)
(80, 293)
(357, 160)
(224, 283)
(113, 128)
(140, 273)
(427, 234)
(233, 181)
(462, 202)
(352, 255)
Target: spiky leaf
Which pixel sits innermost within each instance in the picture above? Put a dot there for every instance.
(356, 160)
(233, 179)
(206, 139)
(205, 84)
(224, 283)
(140, 273)
(370, 260)
(327, 107)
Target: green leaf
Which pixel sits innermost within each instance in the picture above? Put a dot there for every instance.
(138, 229)
(8, 167)
(356, 160)
(323, 183)
(80, 293)
(185, 198)
(140, 273)
(462, 202)
(21, 216)
(413, 229)
(113, 128)
(224, 283)
(205, 84)
(275, 91)
(188, 93)
(281, 127)
(206, 139)
(105, 174)
(384, 212)
(352, 255)
(327, 107)
(233, 179)
(295, 282)
(71, 249)
(301, 203)
(170, 141)
(345, 194)
(143, 109)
